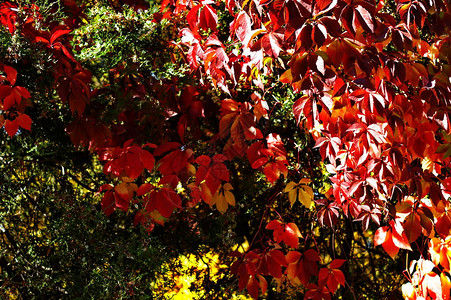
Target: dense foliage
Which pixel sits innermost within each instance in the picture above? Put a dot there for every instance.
(203, 149)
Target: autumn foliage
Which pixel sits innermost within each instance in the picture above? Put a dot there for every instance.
(371, 91)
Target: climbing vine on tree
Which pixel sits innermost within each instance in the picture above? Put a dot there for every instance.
(320, 129)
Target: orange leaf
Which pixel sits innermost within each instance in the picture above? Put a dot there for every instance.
(398, 235)
(389, 246)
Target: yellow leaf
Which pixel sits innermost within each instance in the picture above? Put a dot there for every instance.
(223, 197)
(302, 190)
(309, 190)
(290, 185)
(292, 195)
(305, 198)
(427, 164)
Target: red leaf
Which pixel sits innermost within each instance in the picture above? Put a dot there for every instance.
(132, 165)
(57, 34)
(259, 162)
(273, 170)
(208, 18)
(304, 107)
(42, 39)
(203, 160)
(244, 277)
(328, 215)
(275, 144)
(273, 262)
(279, 257)
(174, 162)
(193, 17)
(122, 203)
(24, 121)
(311, 255)
(105, 187)
(302, 267)
(5, 91)
(11, 74)
(241, 26)
(319, 34)
(322, 276)
(271, 45)
(77, 98)
(365, 18)
(305, 38)
(164, 200)
(67, 53)
(147, 159)
(252, 287)
(323, 6)
(274, 224)
(22, 91)
(317, 292)
(398, 235)
(333, 28)
(336, 263)
(442, 226)
(332, 276)
(212, 171)
(291, 235)
(11, 100)
(108, 203)
(11, 127)
(412, 227)
(219, 158)
(288, 233)
(347, 17)
(339, 276)
(274, 269)
(278, 228)
(293, 256)
(144, 189)
(166, 147)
